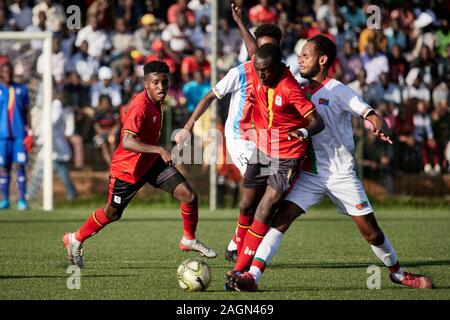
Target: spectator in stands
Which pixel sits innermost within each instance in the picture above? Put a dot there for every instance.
(329, 11)
(53, 11)
(84, 65)
(59, 62)
(98, 40)
(192, 64)
(425, 138)
(407, 155)
(200, 8)
(107, 126)
(398, 65)
(180, 7)
(103, 11)
(158, 47)
(374, 63)
(229, 38)
(124, 73)
(427, 66)
(385, 90)
(21, 15)
(105, 86)
(147, 34)
(176, 38)
(201, 35)
(350, 62)
(443, 36)
(129, 11)
(360, 86)
(354, 15)
(121, 39)
(40, 26)
(444, 65)
(395, 36)
(416, 88)
(195, 90)
(262, 13)
(441, 127)
(342, 33)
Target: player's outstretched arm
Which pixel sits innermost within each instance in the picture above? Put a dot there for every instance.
(249, 41)
(315, 126)
(130, 143)
(379, 126)
(199, 110)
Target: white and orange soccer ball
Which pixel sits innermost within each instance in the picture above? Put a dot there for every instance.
(194, 275)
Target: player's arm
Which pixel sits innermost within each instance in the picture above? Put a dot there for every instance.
(249, 40)
(315, 126)
(132, 144)
(379, 126)
(199, 110)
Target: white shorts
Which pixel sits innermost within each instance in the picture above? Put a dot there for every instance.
(241, 152)
(346, 191)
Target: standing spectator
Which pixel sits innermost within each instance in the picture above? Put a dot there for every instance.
(21, 14)
(105, 86)
(201, 8)
(53, 11)
(201, 35)
(106, 125)
(350, 62)
(14, 132)
(192, 64)
(180, 7)
(147, 34)
(374, 63)
(97, 39)
(425, 138)
(176, 38)
(84, 65)
(262, 13)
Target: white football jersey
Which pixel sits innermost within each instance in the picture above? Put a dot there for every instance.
(331, 151)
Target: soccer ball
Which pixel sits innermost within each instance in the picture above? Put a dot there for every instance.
(194, 275)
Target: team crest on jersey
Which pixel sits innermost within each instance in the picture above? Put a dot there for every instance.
(324, 101)
(362, 205)
(278, 101)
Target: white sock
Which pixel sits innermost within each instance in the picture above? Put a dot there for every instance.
(187, 241)
(232, 246)
(388, 256)
(267, 250)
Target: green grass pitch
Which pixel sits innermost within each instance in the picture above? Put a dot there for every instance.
(322, 256)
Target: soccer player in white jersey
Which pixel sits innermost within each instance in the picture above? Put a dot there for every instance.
(330, 170)
(238, 83)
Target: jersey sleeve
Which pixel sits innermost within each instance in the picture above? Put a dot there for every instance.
(298, 99)
(228, 84)
(352, 102)
(134, 121)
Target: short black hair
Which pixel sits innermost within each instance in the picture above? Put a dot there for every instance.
(268, 30)
(156, 67)
(325, 47)
(269, 50)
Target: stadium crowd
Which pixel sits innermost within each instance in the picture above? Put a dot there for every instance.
(402, 68)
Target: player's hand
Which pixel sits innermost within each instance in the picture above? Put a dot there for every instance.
(28, 143)
(237, 13)
(182, 137)
(166, 156)
(296, 134)
(381, 133)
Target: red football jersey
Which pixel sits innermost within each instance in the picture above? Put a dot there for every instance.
(144, 121)
(278, 111)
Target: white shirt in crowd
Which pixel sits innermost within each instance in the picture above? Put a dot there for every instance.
(85, 67)
(59, 62)
(21, 16)
(178, 40)
(97, 40)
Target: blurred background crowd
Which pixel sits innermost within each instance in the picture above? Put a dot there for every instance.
(402, 69)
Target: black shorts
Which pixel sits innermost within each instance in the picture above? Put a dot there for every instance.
(264, 170)
(160, 175)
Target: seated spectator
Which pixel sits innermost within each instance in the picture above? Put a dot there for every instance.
(176, 38)
(197, 62)
(407, 154)
(121, 38)
(361, 87)
(398, 65)
(350, 62)
(53, 11)
(374, 63)
(354, 15)
(59, 62)
(441, 128)
(84, 65)
(427, 66)
(147, 34)
(201, 35)
(107, 126)
(425, 138)
(129, 11)
(103, 11)
(342, 33)
(180, 7)
(229, 38)
(200, 8)
(443, 35)
(21, 14)
(195, 90)
(41, 26)
(98, 40)
(386, 90)
(444, 65)
(415, 88)
(105, 86)
(262, 13)
(328, 10)
(158, 47)
(395, 36)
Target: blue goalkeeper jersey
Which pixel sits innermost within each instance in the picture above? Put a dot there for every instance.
(13, 108)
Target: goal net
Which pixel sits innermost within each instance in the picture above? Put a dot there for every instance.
(22, 50)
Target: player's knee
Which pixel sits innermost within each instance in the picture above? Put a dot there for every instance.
(113, 214)
(375, 237)
(190, 198)
(245, 207)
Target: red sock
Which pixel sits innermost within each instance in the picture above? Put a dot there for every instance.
(244, 222)
(96, 222)
(254, 236)
(190, 219)
(394, 268)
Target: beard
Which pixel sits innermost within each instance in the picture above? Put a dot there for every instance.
(311, 73)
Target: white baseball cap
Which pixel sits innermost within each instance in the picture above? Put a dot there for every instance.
(104, 73)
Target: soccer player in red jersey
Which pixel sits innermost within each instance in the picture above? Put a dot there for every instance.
(280, 107)
(138, 160)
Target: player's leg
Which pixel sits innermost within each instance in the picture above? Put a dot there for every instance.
(19, 160)
(349, 196)
(120, 194)
(5, 168)
(169, 179)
